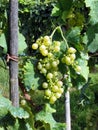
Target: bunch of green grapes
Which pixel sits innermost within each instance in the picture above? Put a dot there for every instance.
(69, 59)
(48, 66)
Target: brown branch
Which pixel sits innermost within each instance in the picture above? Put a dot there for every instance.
(92, 55)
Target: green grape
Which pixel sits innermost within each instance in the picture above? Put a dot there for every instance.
(61, 90)
(58, 95)
(54, 64)
(56, 48)
(71, 50)
(43, 70)
(44, 52)
(23, 102)
(77, 68)
(57, 43)
(54, 88)
(42, 48)
(53, 99)
(48, 92)
(39, 66)
(45, 85)
(35, 46)
(49, 76)
(72, 56)
(50, 55)
(47, 40)
(59, 83)
(48, 66)
(67, 60)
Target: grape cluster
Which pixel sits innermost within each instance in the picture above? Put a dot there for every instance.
(48, 66)
(69, 59)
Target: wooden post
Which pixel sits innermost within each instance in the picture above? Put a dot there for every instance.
(67, 109)
(13, 52)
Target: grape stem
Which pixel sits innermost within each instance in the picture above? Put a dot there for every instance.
(59, 28)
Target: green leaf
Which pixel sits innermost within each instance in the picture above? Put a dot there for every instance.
(93, 5)
(93, 47)
(4, 102)
(73, 35)
(18, 112)
(3, 43)
(4, 106)
(30, 78)
(65, 4)
(22, 44)
(46, 117)
(91, 38)
(84, 68)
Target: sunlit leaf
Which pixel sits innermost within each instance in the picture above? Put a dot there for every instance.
(18, 112)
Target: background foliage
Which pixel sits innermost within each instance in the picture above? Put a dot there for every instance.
(79, 23)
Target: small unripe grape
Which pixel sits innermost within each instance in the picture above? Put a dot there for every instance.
(52, 99)
(57, 61)
(44, 52)
(47, 41)
(67, 60)
(57, 43)
(45, 85)
(46, 38)
(39, 66)
(71, 50)
(42, 48)
(58, 95)
(48, 66)
(73, 56)
(50, 55)
(61, 90)
(55, 88)
(63, 60)
(43, 70)
(56, 48)
(48, 92)
(54, 64)
(23, 102)
(34, 46)
(78, 68)
(59, 83)
(49, 76)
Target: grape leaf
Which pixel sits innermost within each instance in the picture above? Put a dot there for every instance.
(46, 117)
(93, 47)
(93, 5)
(73, 35)
(3, 43)
(91, 38)
(4, 106)
(30, 78)
(18, 112)
(4, 102)
(21, 42)
(84, 68)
